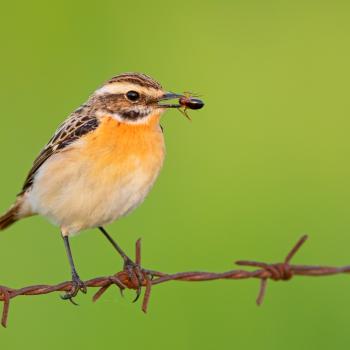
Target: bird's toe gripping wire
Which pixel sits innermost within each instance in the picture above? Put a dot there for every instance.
(133, 276)
(137, 276)
(77, 286)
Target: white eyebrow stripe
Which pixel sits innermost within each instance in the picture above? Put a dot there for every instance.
(122, 88)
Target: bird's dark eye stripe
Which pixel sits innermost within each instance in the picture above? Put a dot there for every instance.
(133, 95)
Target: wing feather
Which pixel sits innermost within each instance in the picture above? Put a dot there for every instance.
(76, 125)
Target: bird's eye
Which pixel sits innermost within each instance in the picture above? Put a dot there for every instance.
(132, 95)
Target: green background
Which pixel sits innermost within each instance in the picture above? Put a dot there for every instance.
(265, 161)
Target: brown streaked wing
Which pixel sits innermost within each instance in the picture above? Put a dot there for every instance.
(71, 130)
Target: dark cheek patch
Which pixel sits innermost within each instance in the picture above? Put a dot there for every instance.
(131, 115)
(134, 114)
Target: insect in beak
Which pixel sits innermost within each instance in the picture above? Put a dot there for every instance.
(186, 101)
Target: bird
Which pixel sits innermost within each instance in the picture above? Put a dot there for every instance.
(99, 165)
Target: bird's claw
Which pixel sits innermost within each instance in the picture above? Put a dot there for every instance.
(135, 274)
(77, 285)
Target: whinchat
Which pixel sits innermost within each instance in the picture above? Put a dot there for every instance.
(101, 162)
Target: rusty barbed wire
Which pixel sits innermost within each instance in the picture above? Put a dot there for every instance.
(282, 271)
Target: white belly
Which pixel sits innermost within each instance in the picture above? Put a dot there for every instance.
(71, 193)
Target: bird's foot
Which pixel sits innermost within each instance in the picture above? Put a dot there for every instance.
(135, 274)
(77, 285)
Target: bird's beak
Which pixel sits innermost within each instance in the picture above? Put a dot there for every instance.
(169, 96)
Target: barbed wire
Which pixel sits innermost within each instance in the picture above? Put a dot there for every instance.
(282, 271)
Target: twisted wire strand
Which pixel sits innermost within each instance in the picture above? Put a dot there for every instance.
(282, 271)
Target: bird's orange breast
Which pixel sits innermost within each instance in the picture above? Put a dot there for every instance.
(120, 147)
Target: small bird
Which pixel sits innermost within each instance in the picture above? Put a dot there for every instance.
(100, 164)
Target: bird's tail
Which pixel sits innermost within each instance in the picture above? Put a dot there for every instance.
(17, 211)
(9, 218)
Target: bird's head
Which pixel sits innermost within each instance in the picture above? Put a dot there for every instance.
(133, 98)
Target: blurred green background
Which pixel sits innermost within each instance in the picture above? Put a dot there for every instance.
(266, 161)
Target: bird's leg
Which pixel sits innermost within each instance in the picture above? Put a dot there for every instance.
(133, 269)
(77, 283)
(115, 245)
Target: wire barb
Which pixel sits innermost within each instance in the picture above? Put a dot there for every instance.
(283, 271)
(277, 272)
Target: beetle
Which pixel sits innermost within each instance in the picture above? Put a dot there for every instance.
(191, 102)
